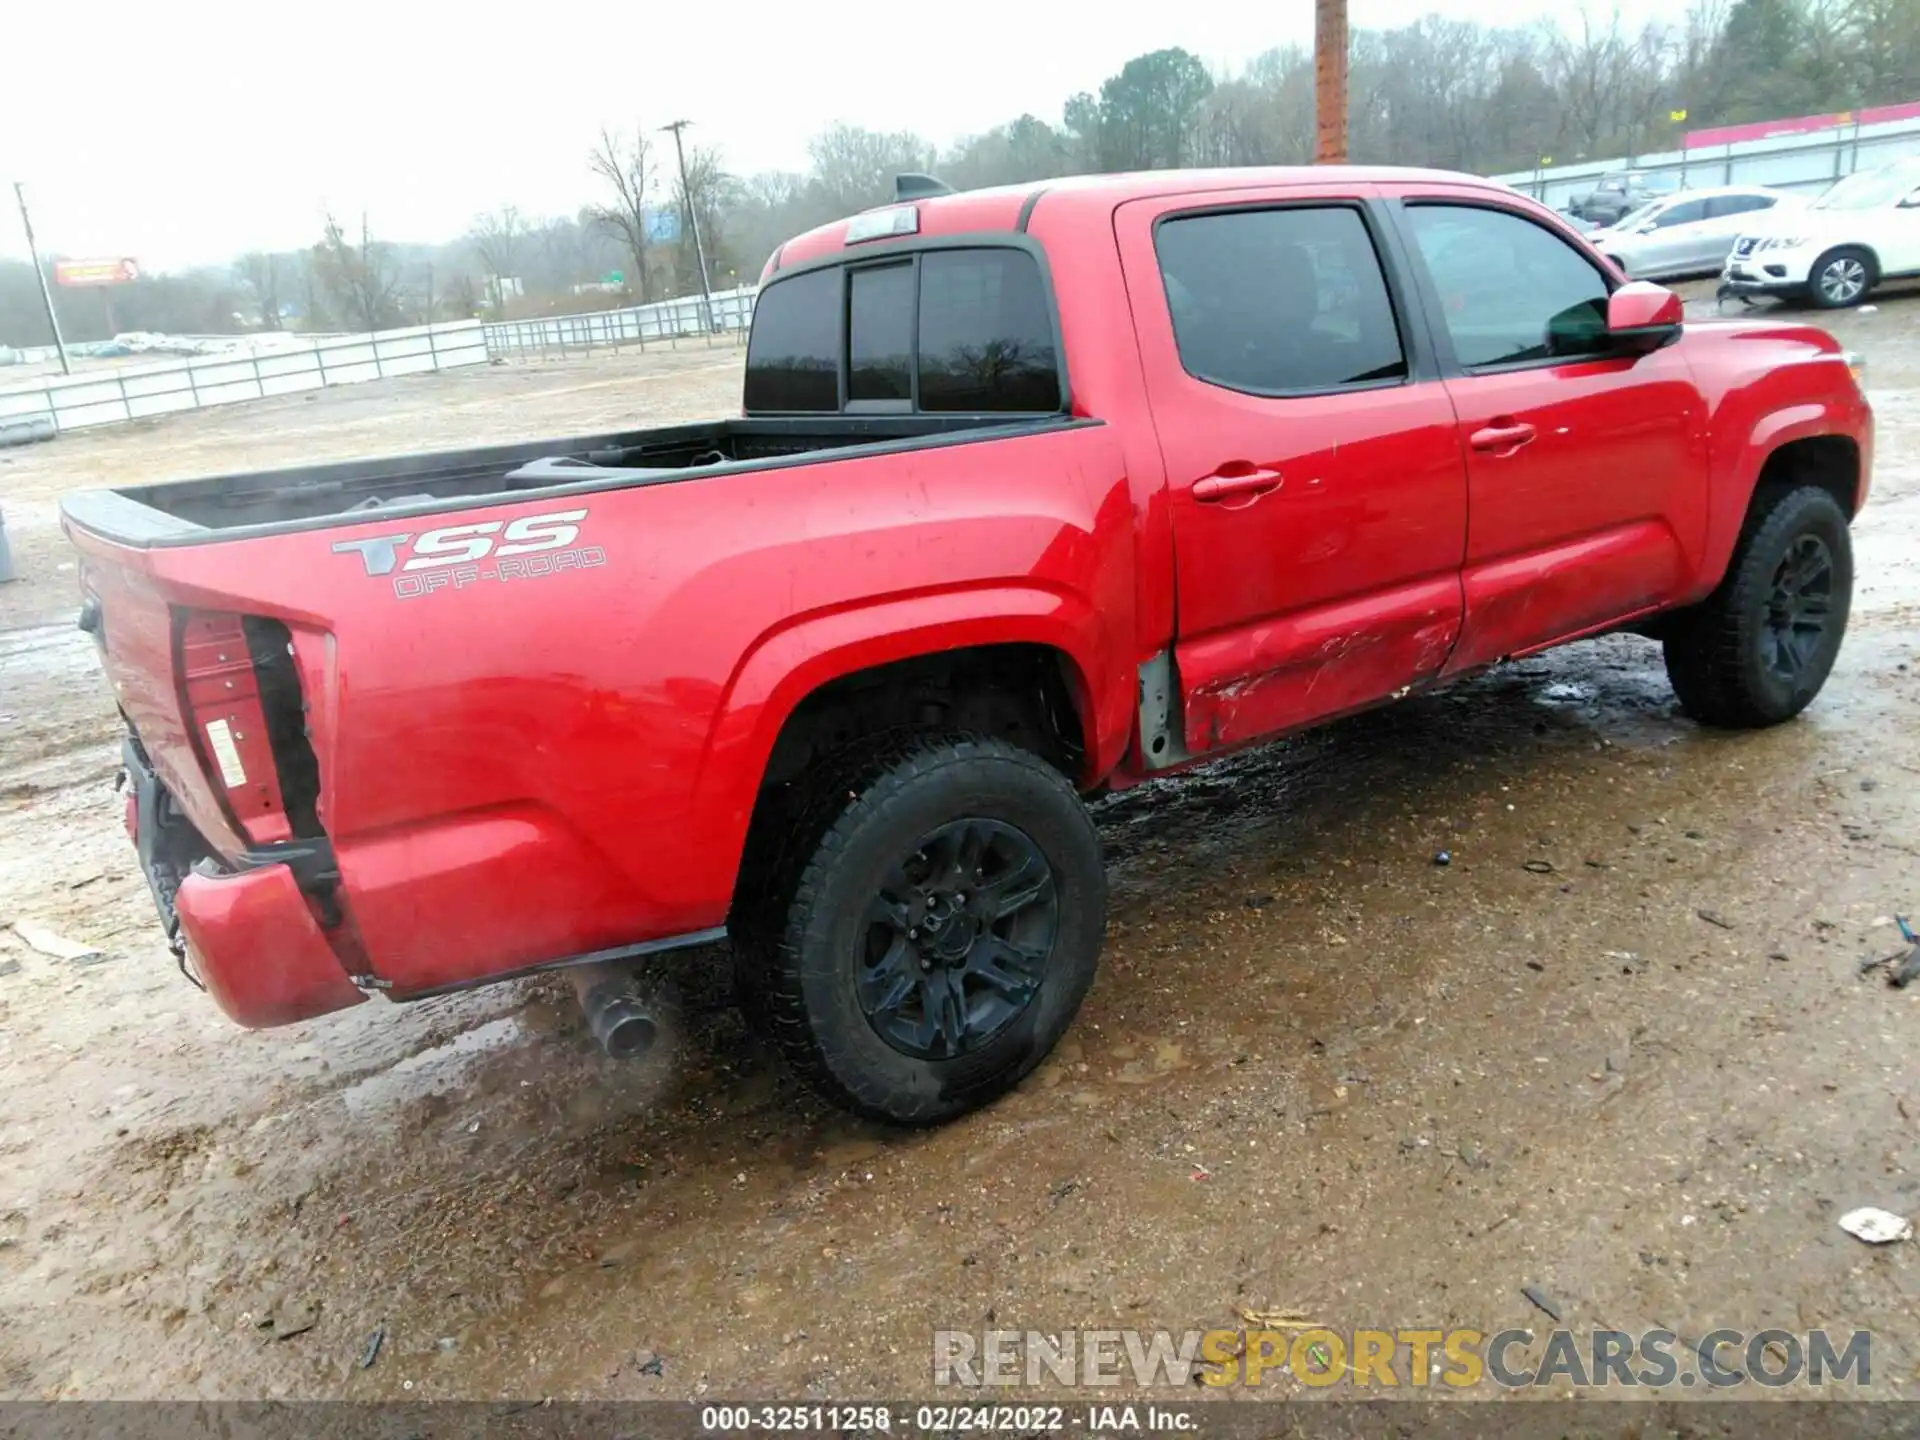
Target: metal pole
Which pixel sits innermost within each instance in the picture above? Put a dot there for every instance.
(46, 295)
(1330, 82)
(693, 218)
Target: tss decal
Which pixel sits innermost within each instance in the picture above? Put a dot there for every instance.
(452, 556)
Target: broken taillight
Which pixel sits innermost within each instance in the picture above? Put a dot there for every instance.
(229, 723)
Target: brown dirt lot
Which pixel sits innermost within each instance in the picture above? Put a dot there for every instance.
(1318, 1071)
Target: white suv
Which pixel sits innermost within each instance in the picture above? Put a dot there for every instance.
(1863, 230)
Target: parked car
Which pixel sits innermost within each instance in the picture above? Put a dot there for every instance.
(1834, 251)
(1690, 233)
(1618, 193)
(1585, 227)
(1037, 493)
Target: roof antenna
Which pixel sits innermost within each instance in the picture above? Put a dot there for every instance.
(914, 186)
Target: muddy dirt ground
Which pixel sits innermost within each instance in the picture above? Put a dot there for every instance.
(1318, 1071)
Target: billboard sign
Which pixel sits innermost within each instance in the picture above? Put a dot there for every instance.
(95, 272)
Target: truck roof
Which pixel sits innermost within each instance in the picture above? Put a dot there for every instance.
(1007, 207)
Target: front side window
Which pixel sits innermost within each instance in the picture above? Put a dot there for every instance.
(793, 355)
(1279, 301)
(1510, 291)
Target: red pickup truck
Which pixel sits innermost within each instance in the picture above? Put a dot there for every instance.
(1037, 492)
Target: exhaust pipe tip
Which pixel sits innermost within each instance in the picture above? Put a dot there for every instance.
(625, 1023)
(625, 1028)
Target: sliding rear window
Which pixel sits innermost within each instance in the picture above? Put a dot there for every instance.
(945, 330)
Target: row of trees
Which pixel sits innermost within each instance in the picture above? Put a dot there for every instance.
(1450, 93)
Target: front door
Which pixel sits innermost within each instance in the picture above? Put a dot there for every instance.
(1313, 460)
(1587, 468)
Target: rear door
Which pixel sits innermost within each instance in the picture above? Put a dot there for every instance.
(1313, 460)
(1674, 240)
(1587, 468)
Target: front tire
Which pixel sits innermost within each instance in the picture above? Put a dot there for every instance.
(1841, 277)
(1756, 651)
(932, 931)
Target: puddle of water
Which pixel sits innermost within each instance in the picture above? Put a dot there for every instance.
(426, 1071)
(1567, 692)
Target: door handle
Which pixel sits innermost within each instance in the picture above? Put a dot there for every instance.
(1502, 434)
(1236, 479)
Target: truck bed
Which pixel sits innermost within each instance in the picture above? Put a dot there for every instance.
(314, 496)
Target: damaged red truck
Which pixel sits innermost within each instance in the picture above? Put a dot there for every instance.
(1036, 492)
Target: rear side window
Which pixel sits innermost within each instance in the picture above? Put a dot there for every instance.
(1737, 204)
(793, 357)
(1279, 301)
(1687, 212)
(986, 334)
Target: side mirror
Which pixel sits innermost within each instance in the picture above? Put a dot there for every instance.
(1643, 316)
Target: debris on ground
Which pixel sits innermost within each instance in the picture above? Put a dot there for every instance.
(1714, 917)
(50, 944)
(1276, 1319)
(1876, 1226)
(1443, 857)
(9, 967)
(371, 1352)
(1537, 867)
(651, 1363)
(295, 1319)
(1540, 1301)
(1907, 971)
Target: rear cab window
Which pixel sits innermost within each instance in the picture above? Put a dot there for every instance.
(940, 329)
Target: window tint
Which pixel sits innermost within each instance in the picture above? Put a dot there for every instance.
(1509, 291)
(1686, 212)
(793, 356)
(986, 333)
(1272, 301)
(880, 333)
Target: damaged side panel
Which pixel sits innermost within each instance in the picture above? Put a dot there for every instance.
(1245, 685)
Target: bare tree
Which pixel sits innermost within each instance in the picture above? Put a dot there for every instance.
(497, 237)
(625, 164)
(261, 271)
(362, 278)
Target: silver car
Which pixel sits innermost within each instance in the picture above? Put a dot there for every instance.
(1686, 234)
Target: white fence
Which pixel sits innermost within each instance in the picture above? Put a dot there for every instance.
(46, 407)
(1807, 162)
(668, 322)
(139, 392)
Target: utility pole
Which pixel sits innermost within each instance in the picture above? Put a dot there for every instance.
(1330, 82)
(693, 218)
(46, 295)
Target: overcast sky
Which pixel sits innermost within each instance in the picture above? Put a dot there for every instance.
(190, 131)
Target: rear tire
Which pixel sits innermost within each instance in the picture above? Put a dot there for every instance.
(1756, 651)
(931, 930)
(1842, 277)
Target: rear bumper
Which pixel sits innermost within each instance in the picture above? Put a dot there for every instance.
(251, 937)
(256, 946)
